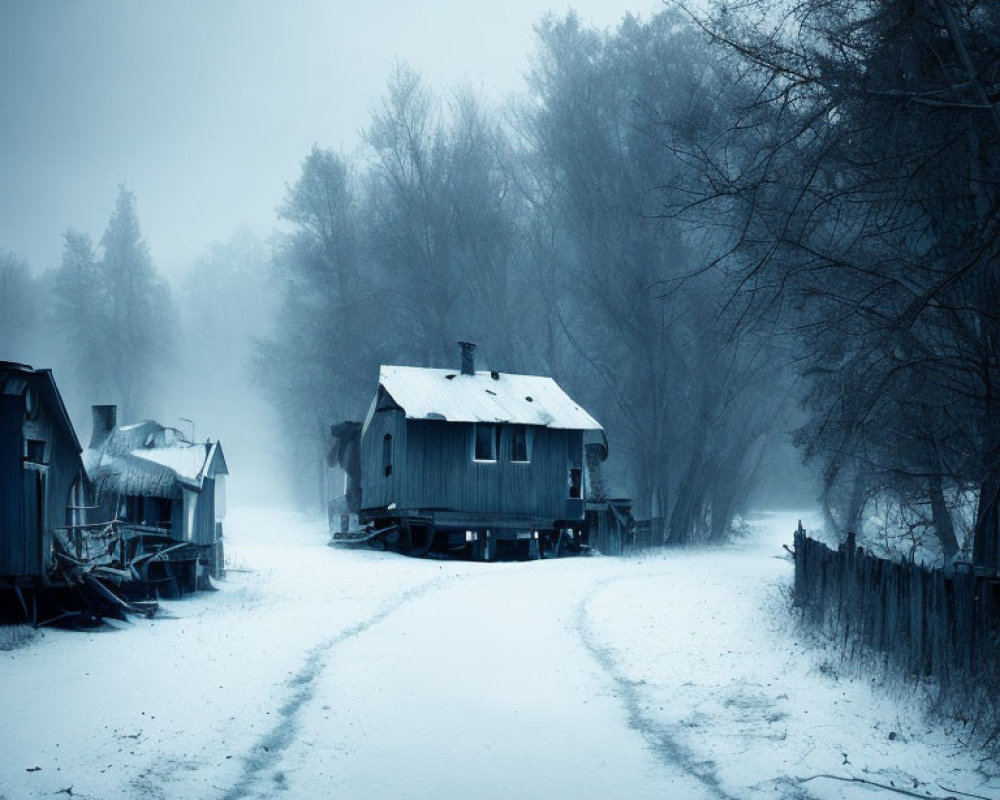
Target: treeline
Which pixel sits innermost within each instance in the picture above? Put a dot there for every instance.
(861, 183)
(104, 313)
(687, 220)
(539, 231)
(710, 230)
(115, 331)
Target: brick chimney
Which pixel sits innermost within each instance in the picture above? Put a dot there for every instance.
(105, 419)
(468, 358)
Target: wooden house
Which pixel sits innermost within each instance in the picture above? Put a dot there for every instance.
(477, 460)
(42, 479)
(160, 484)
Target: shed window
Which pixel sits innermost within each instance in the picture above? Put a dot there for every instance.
(519, 443)
(74, 505)
(387, 454)
(487, 441)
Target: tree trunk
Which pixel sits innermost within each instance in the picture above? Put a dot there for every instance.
(943, 525)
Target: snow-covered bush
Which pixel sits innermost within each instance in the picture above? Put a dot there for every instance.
(14, 636)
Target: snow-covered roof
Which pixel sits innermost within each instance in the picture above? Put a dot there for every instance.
(149, 459)
(444, 394)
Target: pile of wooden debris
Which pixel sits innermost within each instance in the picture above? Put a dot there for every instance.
(112, 570)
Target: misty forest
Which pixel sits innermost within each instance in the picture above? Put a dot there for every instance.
(760, 244)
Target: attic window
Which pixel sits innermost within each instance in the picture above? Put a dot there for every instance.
(30, 404)
(34, 451)
(487, 441)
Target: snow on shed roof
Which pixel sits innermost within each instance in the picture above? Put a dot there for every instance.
(448, 395)
(149, 459)
(128, 474)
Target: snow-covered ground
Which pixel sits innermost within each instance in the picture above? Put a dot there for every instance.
(317, 672)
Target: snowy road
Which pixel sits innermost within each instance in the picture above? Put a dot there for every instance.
(316, 672)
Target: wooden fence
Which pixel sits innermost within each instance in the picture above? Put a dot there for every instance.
(921, 621)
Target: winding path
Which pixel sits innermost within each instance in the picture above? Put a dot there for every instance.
(482, 687)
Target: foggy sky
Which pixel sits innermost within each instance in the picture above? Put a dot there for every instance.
(206, 108)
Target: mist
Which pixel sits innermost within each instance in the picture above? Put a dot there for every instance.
(286, 239)
(707, 291)
(229, 217)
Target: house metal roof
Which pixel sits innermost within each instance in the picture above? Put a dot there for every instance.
(444, 394)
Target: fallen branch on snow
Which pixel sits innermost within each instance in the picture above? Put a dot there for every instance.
(966, 794)
(897, 789)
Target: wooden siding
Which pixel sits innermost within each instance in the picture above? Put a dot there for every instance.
(33, 496)
(204, 518)
(13, 554)
(64, 469)
(434, 469)
(377, 489)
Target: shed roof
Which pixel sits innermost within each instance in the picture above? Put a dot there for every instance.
(448, 395)
(150, 459)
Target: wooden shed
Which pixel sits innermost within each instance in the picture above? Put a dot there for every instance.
(160, 483)
(42, 479)
(477, 460)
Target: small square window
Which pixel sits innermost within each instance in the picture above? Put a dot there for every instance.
(519, 443)
(34, 451)
(487, 442)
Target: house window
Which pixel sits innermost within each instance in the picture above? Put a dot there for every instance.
(34, 451)
(387, 454)
(519, 443)
(574, 483)
(487, 441)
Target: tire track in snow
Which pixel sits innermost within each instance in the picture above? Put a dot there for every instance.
(272, 745)
(667, 749)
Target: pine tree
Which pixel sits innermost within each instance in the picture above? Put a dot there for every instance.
(137, 306)
(80, 313)
(18, 307)
(114, 313)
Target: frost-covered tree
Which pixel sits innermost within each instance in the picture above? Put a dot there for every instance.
(440, 223)
(318, 363)
(81, 314)
(865, 195)
(645, 318)
(18, 307)
(115, 314)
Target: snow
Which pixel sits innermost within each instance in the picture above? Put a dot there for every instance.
(350, 673)
(449, 395)
(187, 460)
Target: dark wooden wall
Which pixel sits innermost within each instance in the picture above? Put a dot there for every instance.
(33, 496)
(204, 515)
(433, 468)
(377, 489)
(64, 469)
(13, 554)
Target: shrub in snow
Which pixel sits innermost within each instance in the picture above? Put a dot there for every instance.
(13, 636)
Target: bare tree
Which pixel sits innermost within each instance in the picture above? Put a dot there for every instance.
(864, 192)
